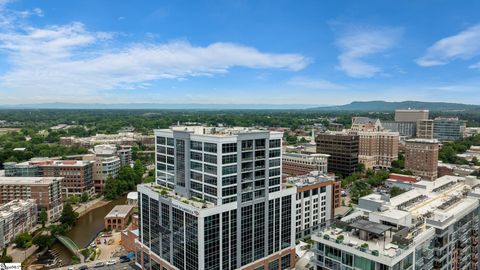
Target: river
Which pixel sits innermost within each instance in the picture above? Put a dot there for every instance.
(85, 230)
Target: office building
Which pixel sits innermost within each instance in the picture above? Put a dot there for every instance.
(448, 129)
(124, 152)
(299, 164)
(432, 226)
(378, 149)
(16, 217)
(46, 191)
(410, 115)
(218, 202)
(315, 202)
(343, 150)
(405, 129)
(107, 163)
(21, 169)
(76, 175)
(421, 157)
(425, 129)
(366, 124)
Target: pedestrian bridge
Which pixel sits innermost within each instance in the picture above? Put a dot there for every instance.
(71, 246)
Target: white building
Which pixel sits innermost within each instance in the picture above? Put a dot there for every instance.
(432, 226)
(16, 217)
(218, 202)
(314, 202)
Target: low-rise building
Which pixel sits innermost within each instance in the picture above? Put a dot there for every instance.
(121, 138)
(315, 202)
(118, 217)
(46, 191)
(432, 226)
(300, 164)
(77, 175)
(16, 217)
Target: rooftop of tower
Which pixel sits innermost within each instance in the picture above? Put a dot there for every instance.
(216, 131)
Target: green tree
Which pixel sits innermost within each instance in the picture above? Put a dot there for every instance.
(84, 197)
(43, 217)
(111, 188)
(68, 216)
(139, 170)
(5, 258)
(395, 191)
(23, 240)
(44, 241)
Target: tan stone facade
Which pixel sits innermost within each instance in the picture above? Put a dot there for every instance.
(378, 149)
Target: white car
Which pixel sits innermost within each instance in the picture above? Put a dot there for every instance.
(111, 262)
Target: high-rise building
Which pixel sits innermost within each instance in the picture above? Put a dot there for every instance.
(294, 164)
(379, 147)
(343, 150)
(125, 154)
(421, 157)
(16, 217)
(405, 129)
(315, 202)
(218, 202)
(448, 129)
(425, 129)
(46, 191)
(410, 115)
(432, 226)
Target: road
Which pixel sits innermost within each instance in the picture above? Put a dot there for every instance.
(117, 266)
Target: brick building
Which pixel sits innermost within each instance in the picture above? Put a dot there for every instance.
(421, 158)
(378, 149)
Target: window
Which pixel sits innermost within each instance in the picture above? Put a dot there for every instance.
(210, 158)
(170, 141)
(229, 147)
(161, 140)
(210, 190)
(274, 143)
(274, 172)
(229, 191)
(274, 181)
(210, 179)
(196, 186)
(285, 262)
(274, 163)
(210, 147)
(247, 197)
(306, 194)
(196, 176)
(247, 145)
(229, 180)
(196, 166)
(196, 156)
(229, 169)
(274, 153)
(247, 156)
(229, 200)
(259, 143)
(196, 145)
(211, 169)
(315, 192)
(229, 159)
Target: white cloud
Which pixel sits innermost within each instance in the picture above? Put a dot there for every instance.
(69, 60)
(475, 66)
(314, 83)
(360, 43)
(463, 45)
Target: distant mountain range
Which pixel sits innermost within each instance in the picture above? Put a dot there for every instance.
(159, 106)
(377, 106)
(353, 106)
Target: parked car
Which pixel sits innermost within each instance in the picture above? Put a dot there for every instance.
(99, 264)
(125, 259)
(83, 267)
(111, 262)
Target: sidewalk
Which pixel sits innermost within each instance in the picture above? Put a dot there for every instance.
(83, 208)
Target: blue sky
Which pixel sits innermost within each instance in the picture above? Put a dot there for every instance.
(255, 52)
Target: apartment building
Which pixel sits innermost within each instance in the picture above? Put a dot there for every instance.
(432, 226)
(421, 158)
(425, 129)
(378, 149)
(77, 175)
(46, 191)
(315, 202)
(448, 129)
(125, 154)
(16, 217)
(218, 202)
(300, 164)
(343, 148)
(121, 138)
